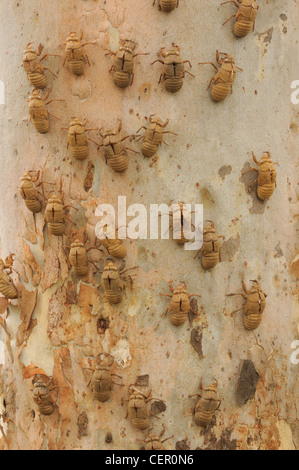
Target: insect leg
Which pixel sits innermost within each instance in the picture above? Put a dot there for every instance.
(186, 71)
(208, 63)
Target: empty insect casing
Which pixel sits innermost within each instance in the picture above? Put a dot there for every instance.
(267, 174)
(210, 250)
(255, 304)
(114, 151)
(33, 67)
(179, 306)
(123, 65)
(102, 383)
(75, 55)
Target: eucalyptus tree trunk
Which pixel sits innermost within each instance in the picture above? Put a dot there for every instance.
(59, 324)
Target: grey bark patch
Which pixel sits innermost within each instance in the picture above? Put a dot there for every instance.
(258, 206)
(182, 445)
(224, 171)
(158, 407)
(247, 383)
(196, 340)
(230, 248)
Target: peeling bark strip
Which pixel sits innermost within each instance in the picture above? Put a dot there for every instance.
(247, 383)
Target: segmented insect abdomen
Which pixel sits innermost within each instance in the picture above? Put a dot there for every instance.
(113, 297)
(46, 409)
(220, 91)
(168, 5)
(265, 191)
(122, 79)
(119, 163)
(76, 66)
(210, 260)
(203, 418)
(37, 79)
(242, 28)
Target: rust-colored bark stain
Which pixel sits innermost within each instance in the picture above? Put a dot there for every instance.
(61, 323)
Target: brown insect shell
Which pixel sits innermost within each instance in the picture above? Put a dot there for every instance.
(41, 397)
(112, 283)
(102, 382)
(153, 442)
(180, 301)
(267, 178)
(112, 144)
(38, 113)
(224, 79)
(210, 248)
(152, 138)
(33, 68)
(55, 216)
(78, 258)
(245, 18)
(7, 287)
(254, 307)
(174, 70)
(168, 5)
(29, 193)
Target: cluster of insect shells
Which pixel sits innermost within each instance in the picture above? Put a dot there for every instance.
(111, 281)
